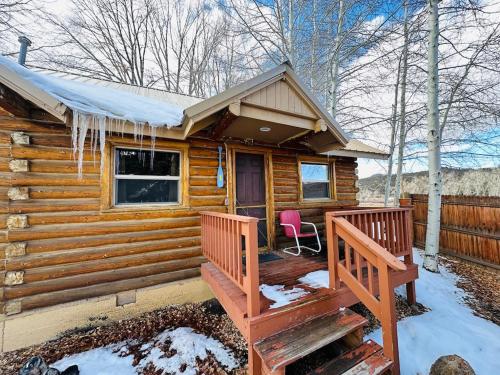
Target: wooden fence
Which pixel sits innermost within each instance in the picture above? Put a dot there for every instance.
(470, 226)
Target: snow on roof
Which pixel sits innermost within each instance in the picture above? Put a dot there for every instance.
(100, 100)
(181, 100)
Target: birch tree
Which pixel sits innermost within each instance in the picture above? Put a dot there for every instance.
(402, 117)
(434, 143)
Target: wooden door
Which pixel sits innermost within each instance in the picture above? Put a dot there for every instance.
(251, 190)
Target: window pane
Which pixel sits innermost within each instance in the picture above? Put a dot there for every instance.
(138, 162)
(316, 190)
(146, 191)
(314, 172)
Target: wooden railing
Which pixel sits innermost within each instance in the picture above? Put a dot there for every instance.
(363, 253)
(391, 228)
(224, 238)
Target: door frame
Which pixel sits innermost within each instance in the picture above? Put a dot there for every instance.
(231, 150)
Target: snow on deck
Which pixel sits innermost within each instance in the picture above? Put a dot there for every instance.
(281, 296)
(101, 101)
(186, 345)
(449, 328)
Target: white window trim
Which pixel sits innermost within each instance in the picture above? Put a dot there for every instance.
(147, 177)
(327, 180)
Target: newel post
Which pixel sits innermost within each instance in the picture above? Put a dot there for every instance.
(388, 316)
(249, 230)
(332, 241)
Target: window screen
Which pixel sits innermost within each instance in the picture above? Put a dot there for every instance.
(141, 178)
(315, 181)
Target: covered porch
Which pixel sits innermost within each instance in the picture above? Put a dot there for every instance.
(369, 253)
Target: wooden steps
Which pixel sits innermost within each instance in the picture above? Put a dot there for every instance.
(367, 358)
(288, 346)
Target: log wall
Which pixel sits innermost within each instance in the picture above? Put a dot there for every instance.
(58, 243)
(470, 226)
(287, 193)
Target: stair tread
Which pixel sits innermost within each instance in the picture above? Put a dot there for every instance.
(288, 346)
(368, 355)
(376, 364)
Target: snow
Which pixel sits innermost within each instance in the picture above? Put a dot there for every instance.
(449, 328)
(100, 361)
(100, 101)
(98, 109)
(184, 342)
(280, 295)
(316, 279)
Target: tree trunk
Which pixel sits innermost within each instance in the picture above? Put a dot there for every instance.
(402, 117)
(433, 143)
(393, 138)
(336, 59)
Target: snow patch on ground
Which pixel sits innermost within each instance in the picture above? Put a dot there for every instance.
(316, 279)
(184, 342)
(189, 345)
(449, 328)
(280, 295)
(100, 361)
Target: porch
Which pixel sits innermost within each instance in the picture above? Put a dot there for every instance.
(361, 263)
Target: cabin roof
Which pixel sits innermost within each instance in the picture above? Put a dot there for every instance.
(174, 115)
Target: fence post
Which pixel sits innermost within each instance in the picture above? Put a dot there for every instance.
(332, 241)
(388, 316)
(411, 293)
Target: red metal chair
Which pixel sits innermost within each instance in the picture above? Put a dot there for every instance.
(291, 223)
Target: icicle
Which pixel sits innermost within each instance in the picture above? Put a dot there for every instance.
(83, 126)
(153, 142)
(74, 133)
(102, 139)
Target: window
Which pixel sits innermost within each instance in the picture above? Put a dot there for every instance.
(315, 181)
(142, 179)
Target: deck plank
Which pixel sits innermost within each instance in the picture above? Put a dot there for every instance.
(290, 345)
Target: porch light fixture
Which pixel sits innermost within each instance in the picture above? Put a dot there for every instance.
(265, 129)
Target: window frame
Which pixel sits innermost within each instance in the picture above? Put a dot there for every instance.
(332, 191)
(116, 177)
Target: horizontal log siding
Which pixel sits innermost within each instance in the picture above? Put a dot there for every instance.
(74, 249)
(470, 226)
(286, 193)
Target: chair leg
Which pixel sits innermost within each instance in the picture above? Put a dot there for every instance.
(296, 253)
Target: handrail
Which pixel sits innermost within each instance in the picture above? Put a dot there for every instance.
(362, 252)
(363, 241)
(222, 239)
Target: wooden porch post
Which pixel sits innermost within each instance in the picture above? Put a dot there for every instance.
(388, 316)
(249, 230)
(332, 241)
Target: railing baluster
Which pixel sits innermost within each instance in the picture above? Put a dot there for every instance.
(370, 278)
(347, 251)
(359, 273)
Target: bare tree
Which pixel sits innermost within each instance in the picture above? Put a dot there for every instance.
(106, 39)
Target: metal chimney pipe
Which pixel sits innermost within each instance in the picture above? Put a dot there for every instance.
(23, 50)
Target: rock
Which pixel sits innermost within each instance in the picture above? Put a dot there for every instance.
(451, 365)
(34, 366)
(37, 366)
(71, 370)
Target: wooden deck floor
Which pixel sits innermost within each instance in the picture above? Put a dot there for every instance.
(287, 272)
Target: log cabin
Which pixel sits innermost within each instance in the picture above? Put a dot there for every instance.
(105, 188)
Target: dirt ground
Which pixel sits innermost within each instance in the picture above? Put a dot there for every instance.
(482, 285)
(208, 318)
